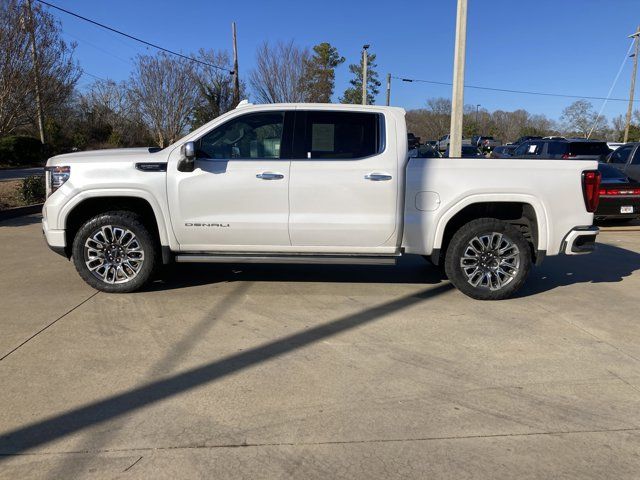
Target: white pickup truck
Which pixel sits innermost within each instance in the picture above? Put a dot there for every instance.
(306, 183)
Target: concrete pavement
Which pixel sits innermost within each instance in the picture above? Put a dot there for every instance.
(318, 372)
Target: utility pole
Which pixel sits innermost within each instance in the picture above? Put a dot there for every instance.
(236, 78)
(477, 126)
(636, 39)
(457, 97)
(388, 89)
(36, 70)
(365, 60)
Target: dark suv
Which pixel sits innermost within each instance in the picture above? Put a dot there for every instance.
(627, 159)
(573, 149)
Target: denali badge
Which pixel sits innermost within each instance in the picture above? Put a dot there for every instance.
(224, 225)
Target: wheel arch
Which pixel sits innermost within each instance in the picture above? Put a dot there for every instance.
(88, 204)
(525, 211)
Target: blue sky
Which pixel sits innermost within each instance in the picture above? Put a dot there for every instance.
(564, 46)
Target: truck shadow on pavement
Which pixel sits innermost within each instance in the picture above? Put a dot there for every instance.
(608, 264)
(411, 269)
(63, 424)
(21, 221)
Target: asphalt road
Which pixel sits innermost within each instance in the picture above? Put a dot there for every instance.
(19, 173)
(319, 372)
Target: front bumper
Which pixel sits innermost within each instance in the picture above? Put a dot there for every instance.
(56, 239)
(580, 240)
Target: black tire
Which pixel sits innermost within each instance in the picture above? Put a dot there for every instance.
(504, 286)
(116, 221)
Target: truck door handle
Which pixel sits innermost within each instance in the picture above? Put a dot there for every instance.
(270, 176)
(378, 177)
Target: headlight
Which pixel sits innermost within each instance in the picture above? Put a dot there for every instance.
(56, 176)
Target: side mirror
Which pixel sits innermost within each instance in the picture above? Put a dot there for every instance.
(187, 163)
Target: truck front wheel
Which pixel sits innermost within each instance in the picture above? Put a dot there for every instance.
(488, 259)
(114, 252)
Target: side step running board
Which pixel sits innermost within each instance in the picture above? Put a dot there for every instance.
(308, 259)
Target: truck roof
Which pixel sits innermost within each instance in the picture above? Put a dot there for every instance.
(321, 106)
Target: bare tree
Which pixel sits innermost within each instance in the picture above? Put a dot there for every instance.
(58, 72)
(109, 116)
(279, 73)
(165, 91)
(432, 122)
(579, 117)
(215, 86)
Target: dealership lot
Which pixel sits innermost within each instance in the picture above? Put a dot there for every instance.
(319, 372)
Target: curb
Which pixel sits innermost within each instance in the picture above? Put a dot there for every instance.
(20, 211)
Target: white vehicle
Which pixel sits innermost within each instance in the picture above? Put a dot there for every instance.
(306, 183)
(442, 144)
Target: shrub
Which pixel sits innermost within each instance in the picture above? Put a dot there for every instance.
(32, 189)
(16, 151)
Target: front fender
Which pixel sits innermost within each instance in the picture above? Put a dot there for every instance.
(166, 235)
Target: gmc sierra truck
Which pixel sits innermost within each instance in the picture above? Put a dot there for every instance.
(306, 183)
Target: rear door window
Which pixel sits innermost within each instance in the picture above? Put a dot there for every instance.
(341, 135)
(557, 148)
(636, 157)
(589, 148)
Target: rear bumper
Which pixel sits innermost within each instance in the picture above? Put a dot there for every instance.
(580, 240)
(610, 207)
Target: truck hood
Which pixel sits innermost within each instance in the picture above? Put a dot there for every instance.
(107, 155)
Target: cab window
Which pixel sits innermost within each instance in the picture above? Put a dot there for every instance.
(251, 136)
(342, 135)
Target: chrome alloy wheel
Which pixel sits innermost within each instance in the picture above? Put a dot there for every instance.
(113, 254)
(490, 261)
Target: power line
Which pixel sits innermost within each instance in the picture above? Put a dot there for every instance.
(93, 76)
(506, 90)
(158, 47)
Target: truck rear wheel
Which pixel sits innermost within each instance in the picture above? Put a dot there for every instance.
(488, 259)
(114, 252)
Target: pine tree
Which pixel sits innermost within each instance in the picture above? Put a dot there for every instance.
(319, 79)
(353, 94)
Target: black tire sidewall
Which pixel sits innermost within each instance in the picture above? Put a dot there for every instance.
(459, 242)
(127, 220)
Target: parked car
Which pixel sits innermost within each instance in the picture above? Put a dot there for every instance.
(619, 195)
(614, 145)
(503, 151)
(424, 151)
(443, 143)
(303, 183)
(413, 141)
(627, 159)
(486, 144)
(563, 149)
(468, 151)
(524, 139)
